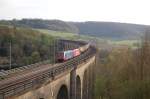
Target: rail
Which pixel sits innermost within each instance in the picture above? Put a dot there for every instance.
(11, 87)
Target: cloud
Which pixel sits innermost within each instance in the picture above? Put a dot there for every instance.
(2, 3)
(135, 11)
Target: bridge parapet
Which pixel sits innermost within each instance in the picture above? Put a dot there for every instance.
(64, 45)
(22, 83)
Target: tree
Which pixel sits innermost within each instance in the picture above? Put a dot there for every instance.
(35, 57)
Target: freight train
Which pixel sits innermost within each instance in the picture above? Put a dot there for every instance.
(66, 55)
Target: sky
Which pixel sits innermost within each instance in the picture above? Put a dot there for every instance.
(126, 11)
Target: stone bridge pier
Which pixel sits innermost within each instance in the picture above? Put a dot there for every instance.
(76, 83)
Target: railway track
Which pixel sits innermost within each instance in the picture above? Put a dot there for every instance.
(37, 76)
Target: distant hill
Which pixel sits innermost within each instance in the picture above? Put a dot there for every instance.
(55, 25)
(112, 30)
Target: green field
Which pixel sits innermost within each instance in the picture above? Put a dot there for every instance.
(65, 35)
(72, 36)
(125, 42)
(58, 33)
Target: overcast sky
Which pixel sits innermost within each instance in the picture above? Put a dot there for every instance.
(129, 11)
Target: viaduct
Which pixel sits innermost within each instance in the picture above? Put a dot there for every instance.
(73, 79)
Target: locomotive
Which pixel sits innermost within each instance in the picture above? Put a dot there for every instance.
(66, 55)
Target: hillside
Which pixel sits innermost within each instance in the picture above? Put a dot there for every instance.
(110, 30)
(55, 25)
(27, 46)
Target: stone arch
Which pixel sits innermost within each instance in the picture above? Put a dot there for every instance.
(78, 87)
(85, 85)
(63, 92)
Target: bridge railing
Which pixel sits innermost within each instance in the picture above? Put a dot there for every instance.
(5, 73)
(14, 87)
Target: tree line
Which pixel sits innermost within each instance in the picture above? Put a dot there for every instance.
(55, 25)
(27, 46)
(124, 73)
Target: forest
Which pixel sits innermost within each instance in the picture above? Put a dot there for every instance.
(124, 73)
(109, 30)
(25, 46)
(55, 25)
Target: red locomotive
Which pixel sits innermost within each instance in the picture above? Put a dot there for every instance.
(66, 55)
